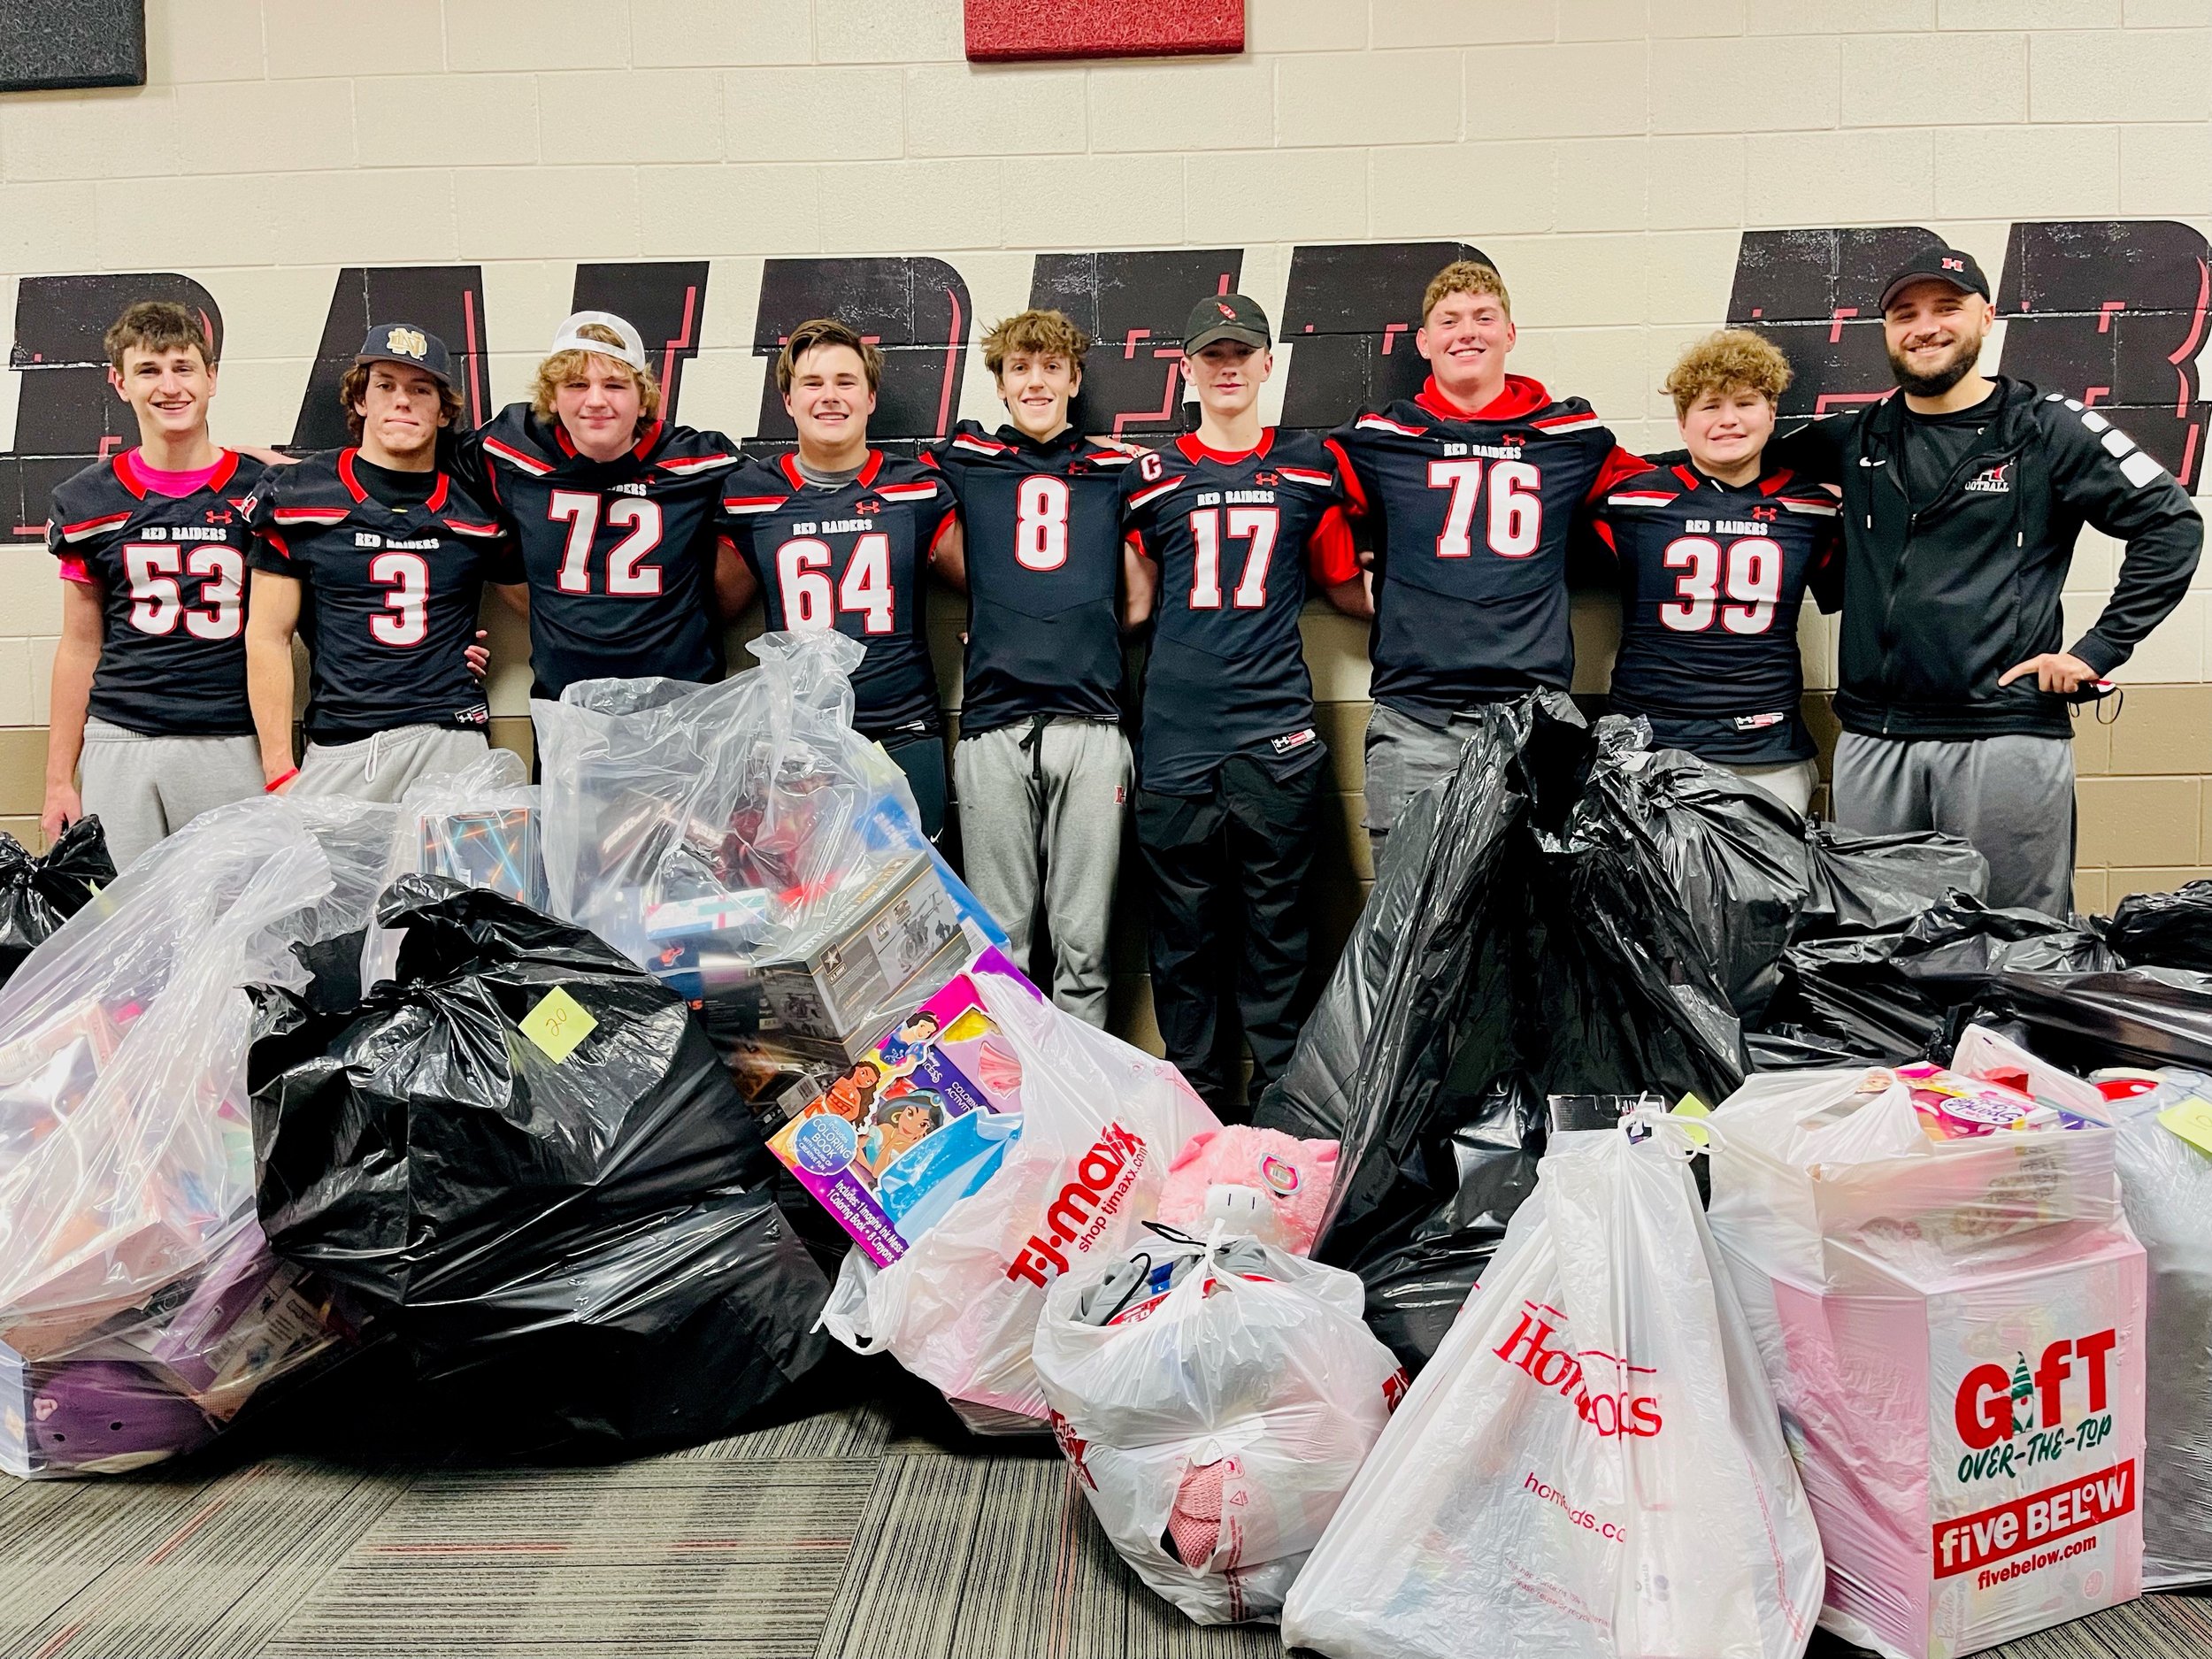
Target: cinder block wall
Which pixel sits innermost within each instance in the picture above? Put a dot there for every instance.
(1609, 154)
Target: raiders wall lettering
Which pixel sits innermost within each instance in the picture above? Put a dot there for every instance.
(2113, 312)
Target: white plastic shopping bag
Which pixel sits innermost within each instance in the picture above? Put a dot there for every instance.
(1951, 1312)
(1101, 1122)
(1591, 1467)
(1216, 1400)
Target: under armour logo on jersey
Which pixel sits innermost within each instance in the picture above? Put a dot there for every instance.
(1267, 478)
(871, 505)
(1768, 513)
(216, 515)
(1992, 480)
(406, 343)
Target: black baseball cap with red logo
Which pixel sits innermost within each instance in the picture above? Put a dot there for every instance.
(1935, 263)
(1226, 317)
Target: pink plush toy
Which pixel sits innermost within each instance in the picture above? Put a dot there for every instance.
(1259, 1181)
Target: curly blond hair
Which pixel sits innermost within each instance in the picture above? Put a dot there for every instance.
(1466, 276)
(563, 367)
(1724, 362)
(1038, 334)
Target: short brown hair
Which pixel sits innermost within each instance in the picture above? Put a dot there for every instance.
(1037, 333)
(563, 367)
(826, 330)
(158, 326)
(354, 387)
(1723, 362)
(1466, 276)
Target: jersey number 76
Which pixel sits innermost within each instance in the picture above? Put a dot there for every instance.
(1517, 507)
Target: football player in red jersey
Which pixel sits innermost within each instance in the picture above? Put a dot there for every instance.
(1042, 766)
(150, 676)
(1715, 555)
(384, 558)
(1474, 488)
(842, 536)
(1233, 776)
(613, 511)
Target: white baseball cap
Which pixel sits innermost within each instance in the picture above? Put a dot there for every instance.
(632, 350)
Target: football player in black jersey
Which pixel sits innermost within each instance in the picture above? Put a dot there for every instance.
(612, 512)
(1233, 776)
(1714, 558)
(150, 676)
(1473, 490)
(842, 536)
(1043, 768)
(380, 559)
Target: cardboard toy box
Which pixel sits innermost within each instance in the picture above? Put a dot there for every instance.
(918, 1122)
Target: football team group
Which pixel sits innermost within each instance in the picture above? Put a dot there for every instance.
(1941, 521)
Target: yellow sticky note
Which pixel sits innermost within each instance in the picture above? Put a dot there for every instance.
(2192, 1120)
(557, 1024)
(1690, 1106)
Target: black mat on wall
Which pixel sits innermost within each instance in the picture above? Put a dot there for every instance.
(50, 43)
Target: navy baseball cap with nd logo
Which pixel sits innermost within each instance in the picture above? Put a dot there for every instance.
(1935, 263)
(1225, 316)
(404, 343)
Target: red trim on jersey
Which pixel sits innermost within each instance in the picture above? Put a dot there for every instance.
(1520, 397)
(920, 490)
(346, 477)
(1605, 534)
(1357, 506)
(1153, 492)
(86, 526)
(930, 461)
(1135, 538)
(1195, 450)
(752, 503)
(1307, 475)
(1768, 485)
(226, 469)
(1690, 480)
(1330, 550)
(1619, 467)
(944, 529)
(790, 465)
(651, 436)
(870, 467)
(126, 475)
(1568, 423)
(309, 515)
(438, 492)
(466, 529)
(276, 541)
(1388, 425)
(529, 464)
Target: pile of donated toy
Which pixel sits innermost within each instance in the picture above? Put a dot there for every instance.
(1682, 1224)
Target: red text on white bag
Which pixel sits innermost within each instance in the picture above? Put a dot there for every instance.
(1103, 1177)
(1619, 1411)
(2040, 1517)
(1985, 1412)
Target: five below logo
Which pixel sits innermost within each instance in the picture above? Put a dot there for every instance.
(1621, 1410)
(1992, 480)
(1994, 1404)
(1103, 1177)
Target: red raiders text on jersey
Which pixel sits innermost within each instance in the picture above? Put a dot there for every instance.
(389, 594)
(1712, 577)
(171, 574)
(1473, 515)
(1043, 532)
(1231, 536)
(619, 554)
(854, 558)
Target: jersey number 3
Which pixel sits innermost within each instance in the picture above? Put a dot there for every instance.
(1749, 572)
(625, 577)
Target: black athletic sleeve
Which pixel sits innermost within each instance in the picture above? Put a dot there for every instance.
(2133, 499)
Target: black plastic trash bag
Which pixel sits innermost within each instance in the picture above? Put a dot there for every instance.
(524, 1161)
(2134, 1016)
(2164, 930)
(37, 894)
(1886, 994)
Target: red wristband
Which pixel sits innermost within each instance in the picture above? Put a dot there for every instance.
(275, 784)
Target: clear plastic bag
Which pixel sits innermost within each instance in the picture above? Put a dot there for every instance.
(1101, 1122)
(1590, 1466)
(1215, 1426)
(139, 1307)
(478, 825)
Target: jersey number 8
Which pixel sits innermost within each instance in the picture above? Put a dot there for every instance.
(1041, 523)
(625, 579)
(1749, 572)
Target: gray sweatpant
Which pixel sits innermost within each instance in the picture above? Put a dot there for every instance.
(1406, 755)
(1791, 783)
(1061, 790)
(2010, 797)
(379, 768)
(144, 789)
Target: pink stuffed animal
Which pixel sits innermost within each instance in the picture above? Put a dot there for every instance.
(1259, 1181)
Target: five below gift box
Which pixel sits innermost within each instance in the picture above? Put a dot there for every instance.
(920, 1121)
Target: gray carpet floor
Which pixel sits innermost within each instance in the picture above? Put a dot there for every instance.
(871, 1527)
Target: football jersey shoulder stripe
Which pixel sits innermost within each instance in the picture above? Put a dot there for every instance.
(753, 504)
(1567, 423)
(1108, 457)
(685, 466)
(922, 491)
(1818, 509)
(79, 531)
(310, 515)
(515, 459)
(463, 527)
(1307, 475)
(1638, 498)
(981, 446)
(1157, 490)
(1383, 423)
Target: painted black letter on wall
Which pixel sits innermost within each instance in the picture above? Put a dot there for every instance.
(1134, 305)
(664, 300)
(1816, 294)
(1350, 314)
(448, 300)
(917, 311)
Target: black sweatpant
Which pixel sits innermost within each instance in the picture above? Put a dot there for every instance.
(1228, 907)
(922, 758)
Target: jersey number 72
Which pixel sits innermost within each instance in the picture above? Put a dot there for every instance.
(627, 577)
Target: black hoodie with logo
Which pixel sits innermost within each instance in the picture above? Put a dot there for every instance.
(1939, 602)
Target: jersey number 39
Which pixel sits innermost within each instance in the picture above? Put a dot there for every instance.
(1749, 572)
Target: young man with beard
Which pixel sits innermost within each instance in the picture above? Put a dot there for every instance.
(381, 559)
(1474, 489)
(612, 509)
(1043, 768)
(1962, 498)
(1233, 777)
(150, 676)
(839, 535)
(1716, 554)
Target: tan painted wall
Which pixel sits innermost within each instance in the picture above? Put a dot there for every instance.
(1606, 152)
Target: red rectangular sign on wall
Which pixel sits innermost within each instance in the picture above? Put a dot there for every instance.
(1003, 30)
